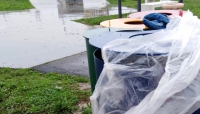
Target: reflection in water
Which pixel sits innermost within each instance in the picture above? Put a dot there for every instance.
(65, 29)
(4, 17)
(63, 21)
(88, 9)
(72, 2)
(95, 12)
(37, 14)
(68, 12)
(46, 33)
(64, 8)
(70, 9)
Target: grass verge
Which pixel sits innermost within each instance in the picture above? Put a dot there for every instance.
(126, 3)
(192, 5)
(27, 91)
(98, 20)
(11, 5)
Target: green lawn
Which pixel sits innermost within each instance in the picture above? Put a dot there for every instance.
(98, 20)
(192, 5)
(11, 5)
(27, 91)
(127, 3)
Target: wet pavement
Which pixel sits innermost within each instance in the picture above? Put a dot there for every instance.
(75, 65)
(46, 33)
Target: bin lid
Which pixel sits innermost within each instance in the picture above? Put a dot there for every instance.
(88, 34)
(101, 39)
(137, 46)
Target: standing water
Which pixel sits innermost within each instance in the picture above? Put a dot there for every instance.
(46, 33)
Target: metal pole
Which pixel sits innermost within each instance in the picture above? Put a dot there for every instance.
(119, 9)
(181, 1)
(139, 5)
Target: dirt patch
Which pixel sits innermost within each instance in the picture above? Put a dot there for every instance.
(84, 86)
(82, 103)
(81, 106)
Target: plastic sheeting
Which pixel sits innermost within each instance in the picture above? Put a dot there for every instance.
(152, 74)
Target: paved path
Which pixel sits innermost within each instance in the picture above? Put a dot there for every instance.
(75, 65)
(44, 34)
(38, 36)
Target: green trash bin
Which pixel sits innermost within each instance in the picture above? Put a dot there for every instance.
(90, 50)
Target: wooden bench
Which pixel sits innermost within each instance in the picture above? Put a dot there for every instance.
(149, 5)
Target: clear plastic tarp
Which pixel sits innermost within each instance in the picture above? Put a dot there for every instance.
(152, 74)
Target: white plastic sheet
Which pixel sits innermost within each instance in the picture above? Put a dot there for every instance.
(153, 74)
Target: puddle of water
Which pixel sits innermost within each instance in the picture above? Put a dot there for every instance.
(89, 9)
(32, 37)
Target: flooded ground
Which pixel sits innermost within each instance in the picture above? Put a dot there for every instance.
(46, 33)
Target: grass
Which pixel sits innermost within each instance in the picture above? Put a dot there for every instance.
(98, 20)
(87, 110)
(126, 3)
(11, 5)
(192, 5)
(27, 91)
